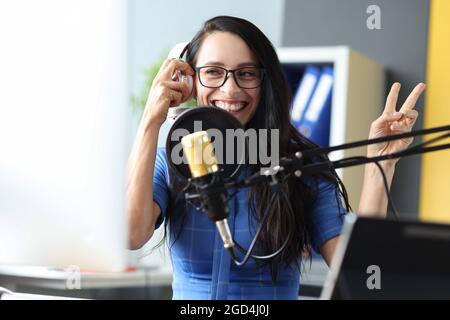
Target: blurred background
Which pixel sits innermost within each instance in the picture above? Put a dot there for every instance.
(66, 65)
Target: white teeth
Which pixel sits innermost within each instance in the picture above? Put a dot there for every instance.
(230, 106)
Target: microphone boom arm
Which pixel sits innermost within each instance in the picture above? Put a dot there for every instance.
(295, 164)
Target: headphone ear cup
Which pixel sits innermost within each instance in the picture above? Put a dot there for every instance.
(191, 84)
(185, 78)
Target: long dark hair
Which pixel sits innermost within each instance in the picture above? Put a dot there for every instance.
(272, 113)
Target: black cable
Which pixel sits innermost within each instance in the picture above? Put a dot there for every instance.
(420, 145)
(292, 220)
(361, 143)
(416, 147)
(388, 193)
(347, 162)
(291, 215)
(257, 177)
(252, 245)
(248, 252)
(385, 183)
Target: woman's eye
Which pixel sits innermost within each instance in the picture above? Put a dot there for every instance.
(247, 73)
(214, 72)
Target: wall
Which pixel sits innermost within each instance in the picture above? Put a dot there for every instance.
(435, 186)
(400, 45)
(155, 26)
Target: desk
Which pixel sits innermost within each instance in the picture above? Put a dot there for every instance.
(149, 283)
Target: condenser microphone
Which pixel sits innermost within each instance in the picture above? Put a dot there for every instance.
(208, 181)
(216, 122)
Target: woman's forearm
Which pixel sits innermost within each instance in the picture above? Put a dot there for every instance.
(140, 186)
(374, 201)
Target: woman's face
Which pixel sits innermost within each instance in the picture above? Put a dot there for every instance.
(229, 51)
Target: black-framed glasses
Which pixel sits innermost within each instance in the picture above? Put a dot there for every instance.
(245, 77)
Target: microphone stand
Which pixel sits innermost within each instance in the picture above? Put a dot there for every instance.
(294, 164)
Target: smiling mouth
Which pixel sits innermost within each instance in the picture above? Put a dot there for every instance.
(230, 106)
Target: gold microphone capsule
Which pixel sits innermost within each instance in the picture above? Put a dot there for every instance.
(199, 153)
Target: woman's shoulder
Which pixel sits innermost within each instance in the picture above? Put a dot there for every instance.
(161, 163)
(161, 151)
(161, 154)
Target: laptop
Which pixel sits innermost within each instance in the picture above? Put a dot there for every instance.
(385, 259)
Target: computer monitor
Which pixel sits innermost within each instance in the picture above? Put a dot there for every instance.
(64, 136)
(385, 259)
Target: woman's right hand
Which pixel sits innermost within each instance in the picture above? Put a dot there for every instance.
(166, 92)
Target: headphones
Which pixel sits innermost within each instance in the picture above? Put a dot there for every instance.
(179, 75)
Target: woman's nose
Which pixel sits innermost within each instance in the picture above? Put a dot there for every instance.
(230, 86)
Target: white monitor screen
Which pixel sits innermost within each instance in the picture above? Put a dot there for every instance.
(64, 124)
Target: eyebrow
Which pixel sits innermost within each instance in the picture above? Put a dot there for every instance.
(243, 64)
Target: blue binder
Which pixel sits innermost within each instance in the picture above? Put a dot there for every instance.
(304, 93)
(315, 122)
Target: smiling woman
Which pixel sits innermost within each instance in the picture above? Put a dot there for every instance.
(222, 55)
(259, 97)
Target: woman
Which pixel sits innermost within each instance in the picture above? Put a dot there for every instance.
(252, 88)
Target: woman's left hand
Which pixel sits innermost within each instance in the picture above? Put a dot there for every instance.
(393, 122)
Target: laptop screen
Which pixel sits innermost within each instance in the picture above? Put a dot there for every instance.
(383, 259)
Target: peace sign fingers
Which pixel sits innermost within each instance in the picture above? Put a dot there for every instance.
(391, 101)
(411, 101)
